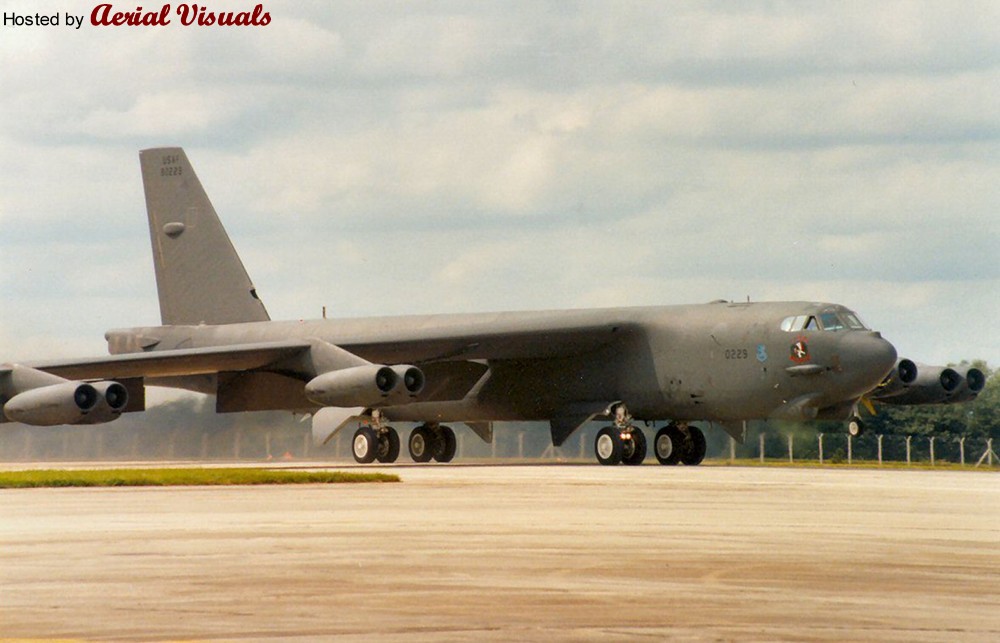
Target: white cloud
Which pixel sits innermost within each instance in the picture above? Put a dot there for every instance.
(388, 157)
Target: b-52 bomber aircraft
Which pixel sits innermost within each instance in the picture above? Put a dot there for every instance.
(720, 362)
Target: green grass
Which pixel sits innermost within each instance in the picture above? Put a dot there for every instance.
(179, 477)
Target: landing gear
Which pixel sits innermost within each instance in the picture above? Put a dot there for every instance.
(621, 443)
(608, 446)
(446, 444)
(696, 447)
(422, 444)
(365, 445)
(635, 449)
(676, 443)
(433, 441)
(855, 427)
(669, 445)
(377, 441)
(388, 446)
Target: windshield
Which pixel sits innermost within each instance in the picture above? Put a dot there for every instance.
(829, 320)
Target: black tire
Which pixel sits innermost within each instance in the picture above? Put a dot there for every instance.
(855, 427)
(365, 445)
(696, 447)
(608, 446)
(446, 445)
(388, 446)
(639, 448)
(668, 446)
(422, 444)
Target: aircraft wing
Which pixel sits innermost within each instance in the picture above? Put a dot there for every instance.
(191, 361)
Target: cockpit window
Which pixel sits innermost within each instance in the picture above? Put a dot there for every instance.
(854, 322)
(831, 321)
(800, 322)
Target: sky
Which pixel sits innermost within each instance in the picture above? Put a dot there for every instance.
(384, 158)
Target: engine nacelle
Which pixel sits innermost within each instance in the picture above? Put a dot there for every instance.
(912, 383)
(66, 403)
(366, 385)
(972, 385)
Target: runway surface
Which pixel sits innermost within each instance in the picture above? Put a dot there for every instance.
(516, 552)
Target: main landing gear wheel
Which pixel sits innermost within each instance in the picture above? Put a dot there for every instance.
(635, 448)
(855, 427)
(422, 444)
(446, 445)
(608, 446)
(429, 441)
(696, 447)
(668, 446)
(365, 445)
(388, 446)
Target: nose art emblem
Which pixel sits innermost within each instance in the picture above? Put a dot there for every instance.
(800, 351)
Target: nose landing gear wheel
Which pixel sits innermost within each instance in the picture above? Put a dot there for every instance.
(855, 427)
(365, 445)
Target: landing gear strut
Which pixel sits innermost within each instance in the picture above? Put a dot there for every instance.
(678, 442)
(376, 441)
(622, 442)
(433, 441)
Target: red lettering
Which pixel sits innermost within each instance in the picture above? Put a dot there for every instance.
(191, 14)
(102, 16)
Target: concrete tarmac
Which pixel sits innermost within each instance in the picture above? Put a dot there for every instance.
(514, 553)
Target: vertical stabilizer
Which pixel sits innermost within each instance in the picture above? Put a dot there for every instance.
(199, 276)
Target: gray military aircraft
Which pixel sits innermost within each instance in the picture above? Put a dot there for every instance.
(720, 362)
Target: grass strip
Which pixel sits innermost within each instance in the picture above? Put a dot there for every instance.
(179, 477)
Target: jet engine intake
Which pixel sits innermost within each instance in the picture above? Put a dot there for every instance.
(112, 400)
(411, 380)
(972, 385)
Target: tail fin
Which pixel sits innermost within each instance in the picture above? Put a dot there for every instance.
(199, 276)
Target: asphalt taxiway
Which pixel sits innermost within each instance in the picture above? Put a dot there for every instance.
(514, 552)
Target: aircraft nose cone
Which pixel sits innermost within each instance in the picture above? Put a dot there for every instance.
(869, 356)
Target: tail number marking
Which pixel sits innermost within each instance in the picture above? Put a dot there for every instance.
(170, 165)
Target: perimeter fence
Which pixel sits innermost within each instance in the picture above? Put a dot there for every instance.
(278, 438)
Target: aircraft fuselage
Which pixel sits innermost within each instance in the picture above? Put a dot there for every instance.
(718, 361)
